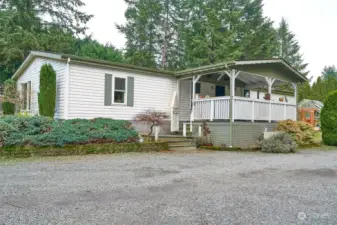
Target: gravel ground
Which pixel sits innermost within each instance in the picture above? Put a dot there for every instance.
(199, 188)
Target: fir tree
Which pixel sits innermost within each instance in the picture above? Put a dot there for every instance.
(289, 48)
(329, 71)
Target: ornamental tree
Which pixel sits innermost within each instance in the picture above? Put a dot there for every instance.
(152, 118)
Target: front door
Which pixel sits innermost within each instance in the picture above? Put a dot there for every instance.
(219, 90)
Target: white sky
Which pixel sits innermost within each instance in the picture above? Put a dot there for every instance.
(313, 21)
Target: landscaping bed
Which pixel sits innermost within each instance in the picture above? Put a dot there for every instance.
(24, 136)
(106, 148)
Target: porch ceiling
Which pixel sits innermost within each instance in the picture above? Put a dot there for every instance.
(274, 68)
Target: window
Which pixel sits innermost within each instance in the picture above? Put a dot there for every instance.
(307, 115)
(119, 90)
(26, 95)
(246, 93)
(198, 88)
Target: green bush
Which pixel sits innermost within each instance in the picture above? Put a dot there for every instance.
(280, 143)
(329, 120)
(8, 108)
(47, 95)
(303, 133)
(44, 131)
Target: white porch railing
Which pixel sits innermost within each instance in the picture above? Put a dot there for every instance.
(243, 109)
(212, 108)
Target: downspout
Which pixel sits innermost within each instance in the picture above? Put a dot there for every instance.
(66, 90)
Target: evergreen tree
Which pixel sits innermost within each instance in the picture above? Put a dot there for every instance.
(329, 71)
(142, 31)
(289, 48)
(39, 14)
(187, 33)
(47, 94)
(47, 25)
(90, 48)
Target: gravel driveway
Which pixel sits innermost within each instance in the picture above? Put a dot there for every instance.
(200, 188)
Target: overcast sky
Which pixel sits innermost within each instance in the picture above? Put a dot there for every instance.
(313, 21)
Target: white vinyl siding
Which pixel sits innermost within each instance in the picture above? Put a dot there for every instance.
(86, 93)
(185, 100)
(32, 74)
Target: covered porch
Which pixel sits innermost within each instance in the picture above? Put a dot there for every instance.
(239, 91)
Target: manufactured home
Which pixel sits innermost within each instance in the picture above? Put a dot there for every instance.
(238, 99)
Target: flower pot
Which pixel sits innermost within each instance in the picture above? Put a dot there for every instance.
(281, 99)
(267, 97)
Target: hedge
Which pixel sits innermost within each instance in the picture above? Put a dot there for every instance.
(329, 120)
(30, 151)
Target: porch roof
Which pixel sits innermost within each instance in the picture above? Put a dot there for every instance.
(275, 68)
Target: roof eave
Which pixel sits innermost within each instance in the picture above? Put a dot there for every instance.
(281, 61)
(32, 55)
(116, 65)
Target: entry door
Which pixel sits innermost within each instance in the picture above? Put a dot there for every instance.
(219, 91)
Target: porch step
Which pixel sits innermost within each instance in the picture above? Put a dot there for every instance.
(179, 142)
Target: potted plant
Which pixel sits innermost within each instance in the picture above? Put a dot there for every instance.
(206, 134)
(267, 96)
(281, 99)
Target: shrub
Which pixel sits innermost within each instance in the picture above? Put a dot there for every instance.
(329, 120)
(302, 132)
(10, 92)
(280, 143)
(8, 108)
(44, 131)
(47, 95)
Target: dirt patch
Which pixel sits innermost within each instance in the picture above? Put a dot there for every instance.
(148, 172)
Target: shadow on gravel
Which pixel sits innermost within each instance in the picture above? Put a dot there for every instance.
(321, 172)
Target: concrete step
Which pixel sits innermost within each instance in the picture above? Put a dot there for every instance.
(184, 149)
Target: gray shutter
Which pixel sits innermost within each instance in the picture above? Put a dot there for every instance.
(108, 90)
(130, 90)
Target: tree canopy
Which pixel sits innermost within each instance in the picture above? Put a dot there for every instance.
(329, 71)
(45, 25)
(175, 34)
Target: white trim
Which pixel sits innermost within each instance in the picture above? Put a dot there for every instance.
(270, 61)
(66, 89)
(125, 91)
(221, 76)
(29, 98)
(31, 57)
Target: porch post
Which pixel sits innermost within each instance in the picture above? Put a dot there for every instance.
(195, 79)
(270, 82)
(232, 74)
(295, 96)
